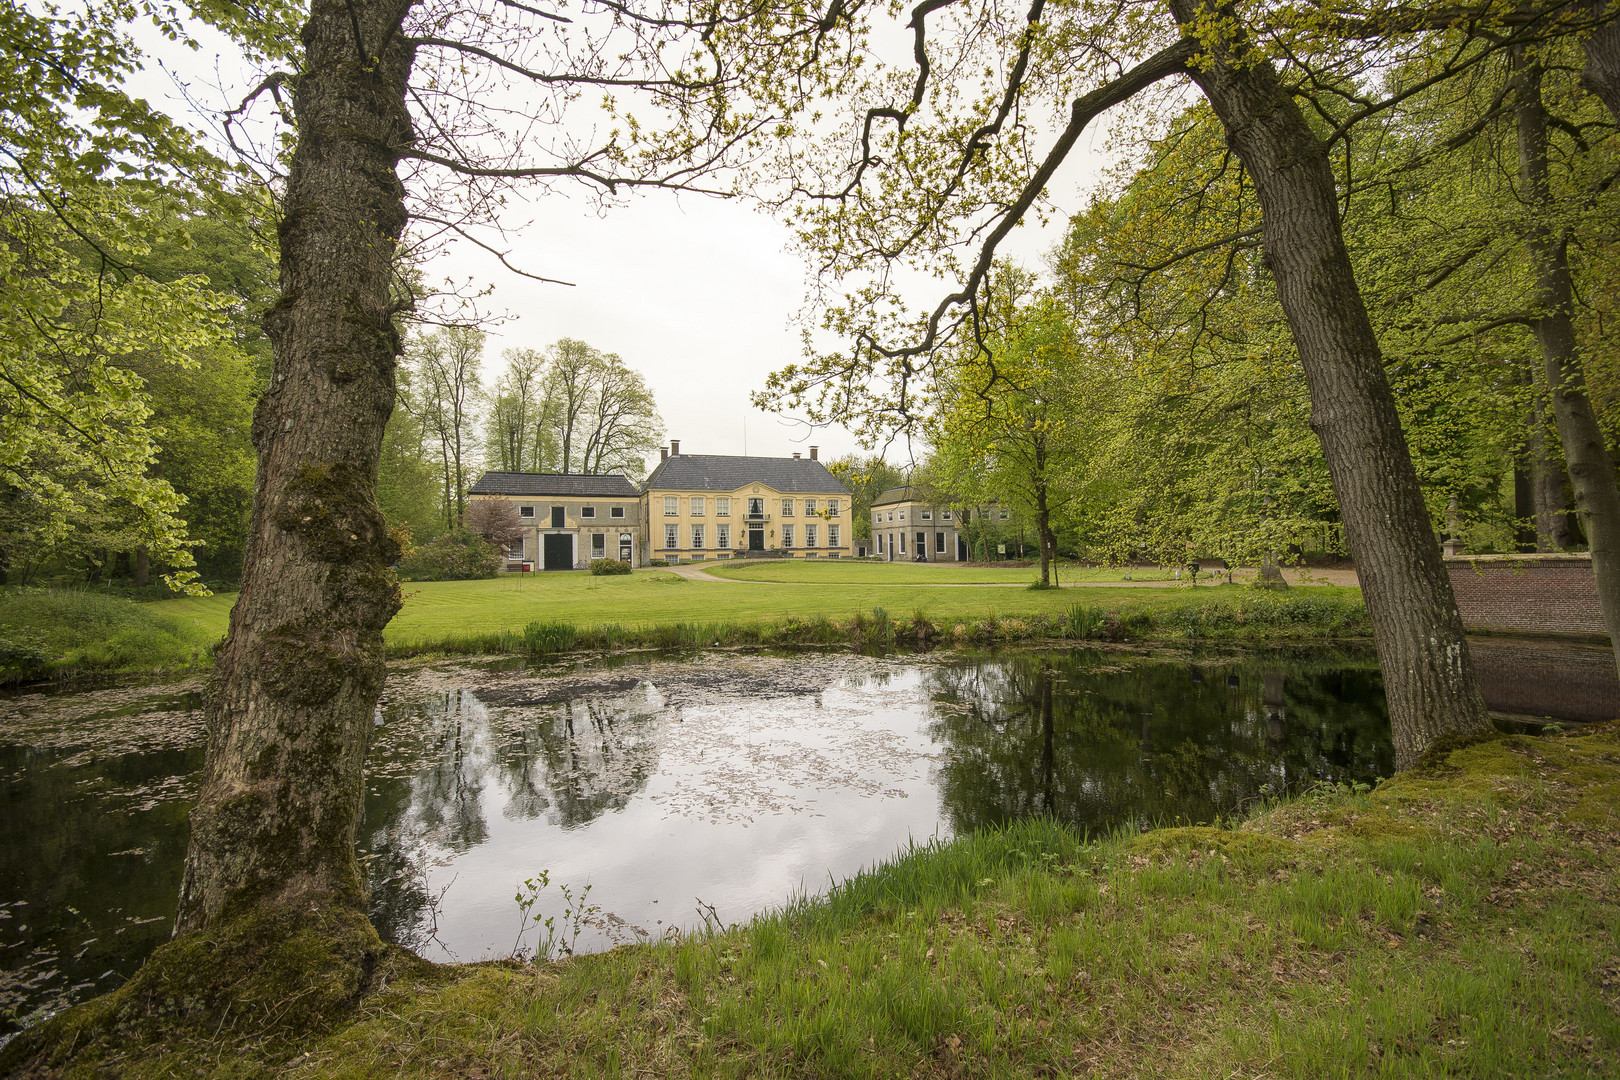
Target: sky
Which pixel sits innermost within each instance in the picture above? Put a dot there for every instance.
(701, 295)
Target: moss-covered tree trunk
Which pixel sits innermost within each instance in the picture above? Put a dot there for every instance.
(1428, 672)
(1591, 470)
(1601, 74)
(290, 705)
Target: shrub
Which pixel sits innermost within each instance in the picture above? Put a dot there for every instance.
(657, 562)
(540, 638)
(609, 566)
(455, 556)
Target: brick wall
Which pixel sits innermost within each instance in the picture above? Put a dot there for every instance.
(1527, 594)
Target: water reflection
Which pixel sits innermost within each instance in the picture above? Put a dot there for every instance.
(1101, 745)
(731, 780)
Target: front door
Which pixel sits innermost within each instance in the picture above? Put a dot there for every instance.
(624, 549)
(756, 539)
(559, 552)
(961, 550)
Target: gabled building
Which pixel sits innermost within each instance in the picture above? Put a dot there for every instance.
(568, 518)
(716, 506)
(909, 524)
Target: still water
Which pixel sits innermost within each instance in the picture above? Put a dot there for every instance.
(721, 782)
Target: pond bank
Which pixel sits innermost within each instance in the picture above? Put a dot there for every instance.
(1461, 919)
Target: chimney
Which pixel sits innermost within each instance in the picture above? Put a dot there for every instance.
(663, 453)
(795, 455)
(814, 450)
(674, 447)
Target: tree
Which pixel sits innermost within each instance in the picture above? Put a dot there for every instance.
(516, 440)
(447, 374)
(88, 188)
(867, 478)
(623, 421)
(496, 520)
(1028, 432)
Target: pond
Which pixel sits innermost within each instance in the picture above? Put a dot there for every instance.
(659, 792)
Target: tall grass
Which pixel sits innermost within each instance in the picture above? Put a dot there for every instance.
(62, 633)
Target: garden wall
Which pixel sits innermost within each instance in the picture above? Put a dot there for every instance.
(1527, 594)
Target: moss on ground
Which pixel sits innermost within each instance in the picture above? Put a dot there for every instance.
(1461, 919)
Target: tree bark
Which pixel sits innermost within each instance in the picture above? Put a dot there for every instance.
(1554, 528)
(1043, 514)
(290, 704)
(143, 567)
(1428, 671)
(1591, 471)
(1601, 75)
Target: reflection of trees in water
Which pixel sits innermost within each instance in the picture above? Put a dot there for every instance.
(585, 758)
(1100, 747)
(571, 761)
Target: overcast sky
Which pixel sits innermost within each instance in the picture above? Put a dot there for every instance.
(699, 294)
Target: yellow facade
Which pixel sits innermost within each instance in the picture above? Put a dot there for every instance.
(711, 524)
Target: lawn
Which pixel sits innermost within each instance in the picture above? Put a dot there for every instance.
(436, 610)
(853, 572)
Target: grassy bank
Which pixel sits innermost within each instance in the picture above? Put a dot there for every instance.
(55, 633)
(1461, 920)
(46, 633)
(653, 607)
(855, 572)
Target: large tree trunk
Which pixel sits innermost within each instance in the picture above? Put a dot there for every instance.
(1601, 75)
(1591, 471)
(1428, 671)
(1043, 514)
(290, 705)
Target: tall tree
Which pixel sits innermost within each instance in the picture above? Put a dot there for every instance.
(514, 439)
(624, 422)
(447, 365)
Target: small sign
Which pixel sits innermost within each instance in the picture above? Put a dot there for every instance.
(1001, 549)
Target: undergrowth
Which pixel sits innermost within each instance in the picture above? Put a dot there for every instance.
(64, 633)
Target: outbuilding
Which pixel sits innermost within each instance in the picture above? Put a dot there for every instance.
(568, 518)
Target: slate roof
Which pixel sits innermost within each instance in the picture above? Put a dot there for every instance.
(555, 485)
(894, 495)
(723, 472)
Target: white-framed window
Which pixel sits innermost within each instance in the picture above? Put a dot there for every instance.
(697, 506)
(944, 515)
(902, 543)
(832, 507)
(697, 536)
(928, 515)
(1004, 515)
(891, 516)
(672, 506)
(722, 536)
(670, 539)
(787, 536)
(939, 543)
(880, 543)
(722, 506)
(787, 507)
(809, 507)
(526, 511)
(598, 545)
(832, 536)
(587, 511)
(902, 515)
(809, 536)
(616, 512)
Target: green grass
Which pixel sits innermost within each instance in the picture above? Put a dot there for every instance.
(47, 633)
(854, 572)
(1459, 920)
(481, 612)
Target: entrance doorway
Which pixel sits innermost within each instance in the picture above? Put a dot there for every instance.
(961, 550)
(922, 547)
(559, 552)
(756, 539)
(624, 547)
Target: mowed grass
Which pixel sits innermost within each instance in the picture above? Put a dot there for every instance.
(440, 610)
(854, 572)
(1460, 920)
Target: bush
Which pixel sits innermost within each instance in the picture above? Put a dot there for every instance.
(657, 562)
(609, 566)
(455, 556)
